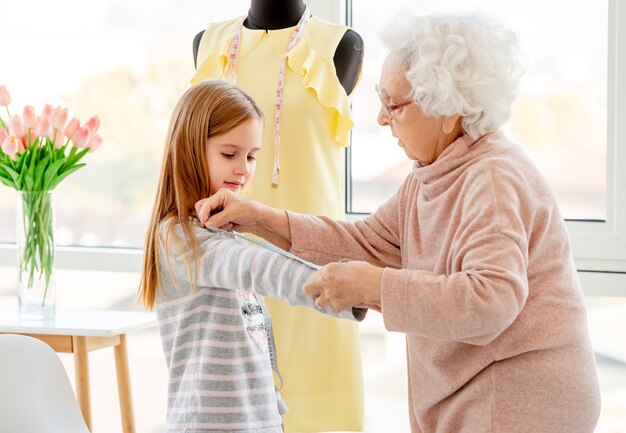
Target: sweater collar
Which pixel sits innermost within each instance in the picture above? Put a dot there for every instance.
(456, 154)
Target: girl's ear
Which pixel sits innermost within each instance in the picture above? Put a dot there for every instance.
(448, 123)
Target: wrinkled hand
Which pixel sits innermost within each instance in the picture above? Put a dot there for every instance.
(226, 210)
(345, 285)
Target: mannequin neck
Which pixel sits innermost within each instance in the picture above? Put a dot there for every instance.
(274, 14)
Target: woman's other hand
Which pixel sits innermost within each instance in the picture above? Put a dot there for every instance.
(345, 285)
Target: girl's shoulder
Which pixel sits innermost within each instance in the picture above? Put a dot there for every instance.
(172, 230)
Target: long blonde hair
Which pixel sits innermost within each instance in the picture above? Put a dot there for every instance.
(207, 109)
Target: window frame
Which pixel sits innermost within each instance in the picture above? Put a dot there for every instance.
(599, 247)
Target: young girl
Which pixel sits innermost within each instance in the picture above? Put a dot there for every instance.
(215, 331)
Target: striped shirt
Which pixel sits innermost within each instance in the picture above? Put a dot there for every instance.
(217, 336)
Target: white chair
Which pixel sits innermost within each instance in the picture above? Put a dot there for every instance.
(35, 392)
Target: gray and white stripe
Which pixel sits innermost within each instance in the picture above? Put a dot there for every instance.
(220, 379)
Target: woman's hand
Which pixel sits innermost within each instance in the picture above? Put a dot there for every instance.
(345, 285)
(226, 210)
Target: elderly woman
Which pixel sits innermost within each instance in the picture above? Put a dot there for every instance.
(470, 258)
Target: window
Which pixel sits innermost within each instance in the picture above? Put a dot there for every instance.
(565, 117)
(127, 62)
(560, 115)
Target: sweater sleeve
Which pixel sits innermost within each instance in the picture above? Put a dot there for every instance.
(485, 286)
(323, 240)
(471, 306)
(233, 265)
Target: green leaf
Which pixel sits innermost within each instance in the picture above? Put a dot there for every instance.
(15, 176)
(28, 180)
(30, 173)
(22, 160)
(26, 184)
(50, 174)
(5, 180)
(74, 157)
(38, 178)
(65, 174)
(3, 170)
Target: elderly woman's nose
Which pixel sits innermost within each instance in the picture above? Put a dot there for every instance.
(383, 117)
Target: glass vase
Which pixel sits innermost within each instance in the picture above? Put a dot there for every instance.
(35, 251)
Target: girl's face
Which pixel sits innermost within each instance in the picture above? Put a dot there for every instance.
(232, 156)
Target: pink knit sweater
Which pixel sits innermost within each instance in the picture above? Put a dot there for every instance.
(480, 277)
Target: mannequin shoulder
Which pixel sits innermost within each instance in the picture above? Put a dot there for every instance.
(348, 59)
(324, 36)
(352, 40)
(196, 46)
(327, 39)
(350, 45)
(340, 45)
(215, 34)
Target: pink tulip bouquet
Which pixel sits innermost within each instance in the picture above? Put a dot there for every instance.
(37, 152)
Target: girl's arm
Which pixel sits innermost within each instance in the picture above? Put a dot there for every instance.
(318, 239)
(233, 265)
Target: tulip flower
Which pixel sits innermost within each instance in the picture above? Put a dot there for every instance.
(43, 127)
(5, 96)
(47, 111)
(81, 137)
(94, 143)
(29, 117)
(16, 127)
(59, 117)
(72, 127)
(11, 146)
(93, 124)
(3, 134)
(28, 138)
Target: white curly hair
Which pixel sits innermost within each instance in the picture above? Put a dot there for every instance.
(458, 64)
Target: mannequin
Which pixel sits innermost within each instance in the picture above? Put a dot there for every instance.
(319, 357)
(280, 14)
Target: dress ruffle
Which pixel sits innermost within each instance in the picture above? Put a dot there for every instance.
(213, 53)
(319, 75)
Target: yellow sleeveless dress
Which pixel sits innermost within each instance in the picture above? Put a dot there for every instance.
(318, 356)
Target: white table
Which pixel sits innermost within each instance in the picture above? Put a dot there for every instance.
(80, 332)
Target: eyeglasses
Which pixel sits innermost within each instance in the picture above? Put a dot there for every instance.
(390, 108)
